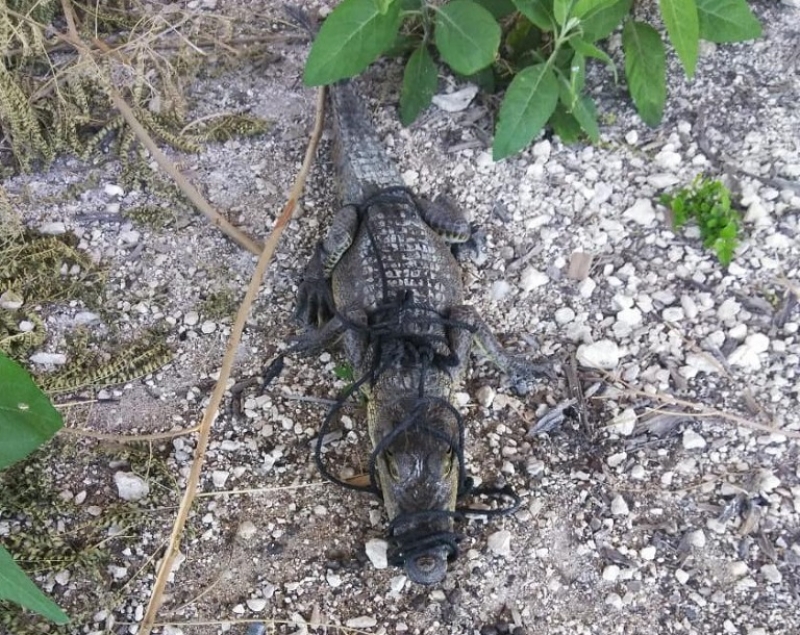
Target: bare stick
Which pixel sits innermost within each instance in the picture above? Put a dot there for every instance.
(157, 595)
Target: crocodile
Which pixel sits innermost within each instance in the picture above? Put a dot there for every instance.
(385, 282)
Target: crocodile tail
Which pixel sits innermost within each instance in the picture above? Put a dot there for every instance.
(362, 165)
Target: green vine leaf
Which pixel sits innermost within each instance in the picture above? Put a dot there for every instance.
(600, 17)
(16, 587)
(645, 70)
(727, 21)
(498, 8)
(561, 11)
(587, 49)
(530, 100)
(565, 125)
(540, 12)
(27, 418)
(683, 27)
(467, 36)
(419, 85)
(585, 112)
(354, 35)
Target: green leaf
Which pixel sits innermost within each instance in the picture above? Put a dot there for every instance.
(590, 50)
(419, 85)
(565, 125)
(352, 37)
(645, 70)
(498, 8)
(561, 11)
(27, 418)
(585, 112)
(581, 107)
(577, 76)
(530, 100)
(540, 12)
(16, 587)
(382, 5)
(727, 21)
(467, 36)
(600, 17)
(683, 27)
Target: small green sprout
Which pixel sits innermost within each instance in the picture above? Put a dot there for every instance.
(708, 202)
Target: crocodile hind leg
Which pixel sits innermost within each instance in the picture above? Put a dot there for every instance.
(520, 370)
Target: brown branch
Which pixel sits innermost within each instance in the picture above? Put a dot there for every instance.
(156, 597)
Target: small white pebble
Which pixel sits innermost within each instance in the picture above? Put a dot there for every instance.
(648, 552)
(692, 440)
(614, 600)
(616, 459)
(564, 315)
(376, 552)
(208, 327)
(256, 604)
(696, 538)
(771, 574)
(499, 543)
(532, 278)
(364, 621)
(681, 576)
(619, 507)
(604, 354)
(737, 568)
(485, 396)
(611, 573)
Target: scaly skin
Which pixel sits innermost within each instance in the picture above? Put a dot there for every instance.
(371, 257)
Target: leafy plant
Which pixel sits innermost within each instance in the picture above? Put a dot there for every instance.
(708, 202)
(27, 420)
(538, 49)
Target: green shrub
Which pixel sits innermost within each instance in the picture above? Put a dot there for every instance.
(537, 49)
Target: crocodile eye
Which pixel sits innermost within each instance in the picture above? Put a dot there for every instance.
(391, 465)
(449, 460)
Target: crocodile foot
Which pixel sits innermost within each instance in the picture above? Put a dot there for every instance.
(315, 305)
(522, 371)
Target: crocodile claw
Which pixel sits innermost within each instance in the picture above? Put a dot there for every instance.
(522, 371)
(474, 248)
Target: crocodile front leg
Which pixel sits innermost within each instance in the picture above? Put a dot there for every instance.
(519, 369)
(445, 218)
(467, 240)
(315, 304)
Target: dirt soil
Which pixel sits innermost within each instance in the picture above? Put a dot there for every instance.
(655, 516)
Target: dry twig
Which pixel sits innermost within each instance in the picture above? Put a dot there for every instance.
(156, 597)
(701, 411)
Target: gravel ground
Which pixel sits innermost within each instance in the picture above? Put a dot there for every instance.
(665, 511)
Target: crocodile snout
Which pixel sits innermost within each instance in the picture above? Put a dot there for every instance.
(429, 567)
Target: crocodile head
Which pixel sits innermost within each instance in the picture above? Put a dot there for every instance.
(418, 472)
